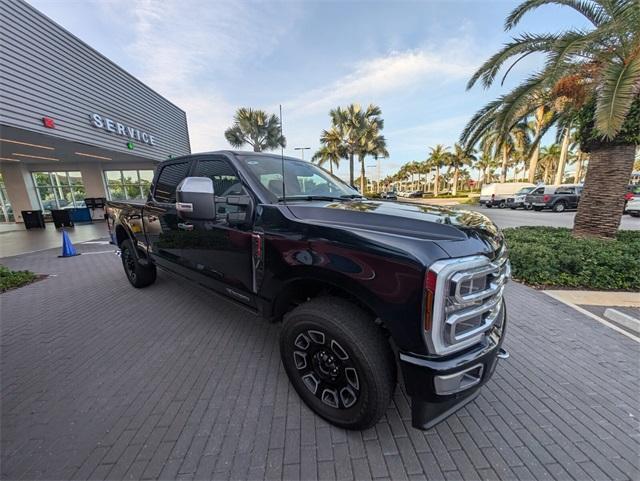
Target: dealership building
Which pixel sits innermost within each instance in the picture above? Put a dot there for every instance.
(72, 123)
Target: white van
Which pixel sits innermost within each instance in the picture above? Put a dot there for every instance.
(497, 193)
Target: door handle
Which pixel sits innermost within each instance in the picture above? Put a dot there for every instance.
(185, 226)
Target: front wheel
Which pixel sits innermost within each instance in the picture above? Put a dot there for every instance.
(338, 361)
(139, 275)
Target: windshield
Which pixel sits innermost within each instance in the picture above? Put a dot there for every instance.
(303, 180)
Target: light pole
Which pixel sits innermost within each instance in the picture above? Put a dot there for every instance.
(302, 149)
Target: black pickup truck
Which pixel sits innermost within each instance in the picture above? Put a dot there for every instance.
(361, 287)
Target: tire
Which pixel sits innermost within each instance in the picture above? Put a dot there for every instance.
(488, 206)
(528, 207)
(338, 361)
(502, 204)
(538, 209)
(139, 275)
(559, 207)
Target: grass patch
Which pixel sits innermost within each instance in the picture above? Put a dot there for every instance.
(550, 257)
(13, 279)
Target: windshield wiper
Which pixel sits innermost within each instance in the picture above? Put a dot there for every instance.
(351, 196)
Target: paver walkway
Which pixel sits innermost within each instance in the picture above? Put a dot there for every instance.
(103, 381)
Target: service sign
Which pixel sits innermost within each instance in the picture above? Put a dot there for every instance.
(100, 122)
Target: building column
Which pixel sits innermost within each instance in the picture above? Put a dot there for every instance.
(21, 192)
(92, 179)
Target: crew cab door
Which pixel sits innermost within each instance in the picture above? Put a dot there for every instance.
(220, 249)
(165, 232)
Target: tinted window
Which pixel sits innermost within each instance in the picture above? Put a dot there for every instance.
(225, 180)
(566, 190)
(169, 178)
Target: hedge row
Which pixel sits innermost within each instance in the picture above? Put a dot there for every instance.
(551, 257)
(12, 279)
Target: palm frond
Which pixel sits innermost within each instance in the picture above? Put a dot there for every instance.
(620, 86)
(592, 10)
(521, 46)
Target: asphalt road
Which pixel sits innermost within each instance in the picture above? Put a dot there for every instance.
(515, 218)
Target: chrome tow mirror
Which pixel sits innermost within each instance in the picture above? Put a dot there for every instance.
(195, 199)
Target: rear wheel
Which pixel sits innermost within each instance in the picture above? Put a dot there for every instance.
(502, 204)
(139, 275)
(338, 361)
(559, 206)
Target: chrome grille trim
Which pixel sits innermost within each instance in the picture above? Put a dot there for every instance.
(451, 274)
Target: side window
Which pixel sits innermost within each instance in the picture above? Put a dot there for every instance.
(225, 182)
(538, 191)
(169, 178)
(565, 190)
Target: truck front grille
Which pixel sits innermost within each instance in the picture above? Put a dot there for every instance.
(465, 300)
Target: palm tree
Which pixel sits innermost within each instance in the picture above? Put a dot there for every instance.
(331, 149)
(549, 160)
(458, 159)
(597, 72)
(256, 128)
(360, 133)
(485, 165)
(438, 158)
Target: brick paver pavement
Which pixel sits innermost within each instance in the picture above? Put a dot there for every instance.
(102, 381)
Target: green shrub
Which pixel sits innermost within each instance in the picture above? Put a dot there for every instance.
(12, 279)
(549, 256)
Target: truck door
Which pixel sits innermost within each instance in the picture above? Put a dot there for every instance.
(219, 250)
(165, 232)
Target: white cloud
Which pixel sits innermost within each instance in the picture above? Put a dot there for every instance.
(386, 74)
(183, 49)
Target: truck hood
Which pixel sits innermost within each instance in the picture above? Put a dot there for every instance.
(449, 228)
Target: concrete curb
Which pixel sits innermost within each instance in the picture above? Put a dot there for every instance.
(592, 316)
(623, 319)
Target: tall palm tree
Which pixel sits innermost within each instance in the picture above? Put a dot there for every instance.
(549, 160)
(256, 128)
(485, 165)
(597, 71)
(360, 132)
(459, 158)
(438, 158)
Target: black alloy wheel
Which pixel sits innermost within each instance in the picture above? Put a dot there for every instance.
(339, 362)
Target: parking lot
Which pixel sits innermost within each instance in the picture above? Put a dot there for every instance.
(102, 381)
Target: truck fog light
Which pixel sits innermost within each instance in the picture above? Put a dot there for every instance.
(459, 381)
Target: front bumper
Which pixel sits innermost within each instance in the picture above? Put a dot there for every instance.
(438, 387)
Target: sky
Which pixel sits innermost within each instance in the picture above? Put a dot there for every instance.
(412, 58)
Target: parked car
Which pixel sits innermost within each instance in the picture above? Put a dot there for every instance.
(496, 194)
(558, 198)
(389, 195)
(518, 200)
(633, 192)
(361, 287)
(415, 194)
(633, 207)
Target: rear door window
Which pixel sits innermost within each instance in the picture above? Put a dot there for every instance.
(169, 178)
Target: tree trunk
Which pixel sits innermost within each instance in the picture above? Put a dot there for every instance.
(351, 179)
(602, 201)
(362, 179)
(505, 160)
(533, 164)
(331, 166)
(578, 174)
(564, 152)
(436, 183)
(455, 182)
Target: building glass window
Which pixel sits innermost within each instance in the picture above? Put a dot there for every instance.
(59, 190)
(6, 211)
(128, 184)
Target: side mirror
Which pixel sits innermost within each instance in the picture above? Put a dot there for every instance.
(244, 213)
(195, 199)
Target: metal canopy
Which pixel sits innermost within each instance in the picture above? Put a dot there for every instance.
(27, 147)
